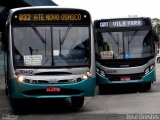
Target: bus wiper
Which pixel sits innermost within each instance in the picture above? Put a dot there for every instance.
(38, 34)
(133, 35)
(115, 41)
(31, 50)
(61, 41)
(131, 39)
(113, 38)
(65, 34)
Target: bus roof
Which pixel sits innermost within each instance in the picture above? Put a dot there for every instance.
(49, 14)
(44, 7)
(124, 18)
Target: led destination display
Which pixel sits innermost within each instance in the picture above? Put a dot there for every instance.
(121, 23)
(50, 16)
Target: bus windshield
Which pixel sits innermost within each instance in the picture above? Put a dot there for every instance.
(51, 46)
(125, 44)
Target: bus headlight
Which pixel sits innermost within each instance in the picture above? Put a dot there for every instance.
(86, 75)
(102, 72)
(20, 78)
(152, 67)
(146, 71)
(97, 70)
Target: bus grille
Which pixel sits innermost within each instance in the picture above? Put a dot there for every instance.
(124, 63)
(66, 81)
(137, 76)
(37, 92)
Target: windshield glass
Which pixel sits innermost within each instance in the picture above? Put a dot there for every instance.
(124, 44)
(51, 46)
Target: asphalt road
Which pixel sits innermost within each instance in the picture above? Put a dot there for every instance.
(122, 105)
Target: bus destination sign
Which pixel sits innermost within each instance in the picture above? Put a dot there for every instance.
(49, 17)
(121, 23)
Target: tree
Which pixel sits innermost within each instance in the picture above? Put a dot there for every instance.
(156, 25)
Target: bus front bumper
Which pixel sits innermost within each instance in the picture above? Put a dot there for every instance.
(78, 89)
(148, 78)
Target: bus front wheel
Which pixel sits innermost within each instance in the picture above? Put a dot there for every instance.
(158, 60)
(103, 89)
(6, 88)
(15, 104)
(147, 86)
(77, 102)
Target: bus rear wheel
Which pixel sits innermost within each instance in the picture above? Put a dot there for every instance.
(77, 102)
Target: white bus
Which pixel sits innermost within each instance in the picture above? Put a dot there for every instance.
(50, 54)
(125, 52)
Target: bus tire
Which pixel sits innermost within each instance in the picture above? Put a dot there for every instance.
(6, 89)
(147, 86)
(16, 104)
(158, 60)
(77, 102)
(103, 89)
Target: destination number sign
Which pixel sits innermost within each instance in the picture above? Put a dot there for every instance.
(51, 15)
(120, 23)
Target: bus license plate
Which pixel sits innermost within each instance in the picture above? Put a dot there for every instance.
(125, 78)
(53, 89)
